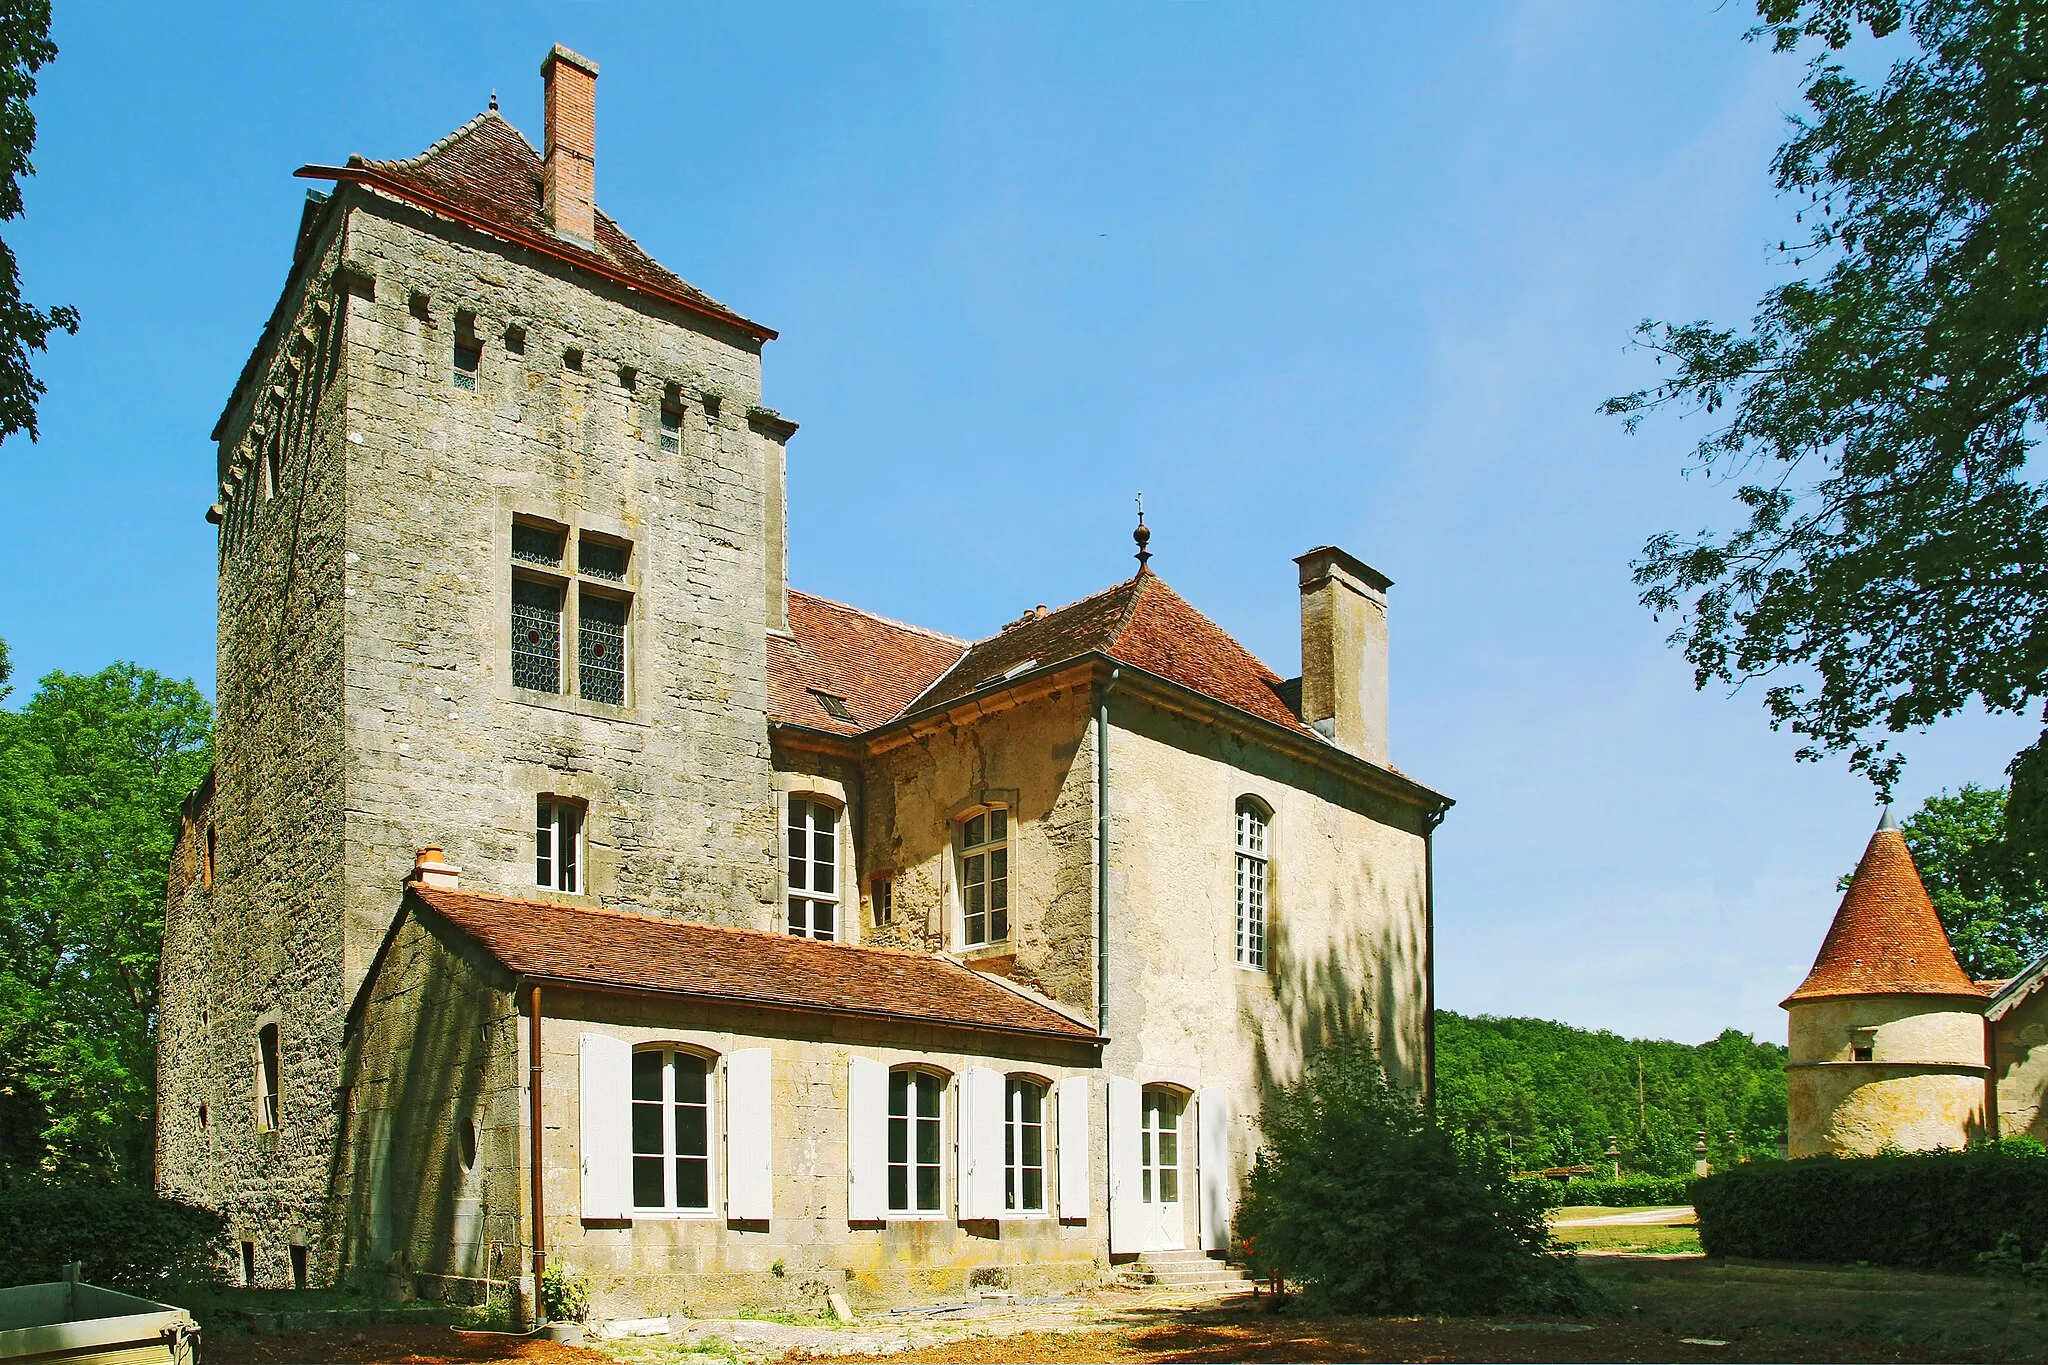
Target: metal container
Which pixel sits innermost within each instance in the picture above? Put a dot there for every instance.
(66, 1322)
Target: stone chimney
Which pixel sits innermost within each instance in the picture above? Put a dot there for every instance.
(569, 183)
(1344, 651)
(430, 867)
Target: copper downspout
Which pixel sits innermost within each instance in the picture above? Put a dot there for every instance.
(540, 1249)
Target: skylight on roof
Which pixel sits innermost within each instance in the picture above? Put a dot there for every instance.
(1014, 670)
(835, 707)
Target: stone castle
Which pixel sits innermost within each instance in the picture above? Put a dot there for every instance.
(570, 890)
(1893, 1045)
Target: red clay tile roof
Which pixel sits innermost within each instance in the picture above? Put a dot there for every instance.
(1886, 938)
(486, 170)
(1141, 622)
(877, 666)
(610, 948)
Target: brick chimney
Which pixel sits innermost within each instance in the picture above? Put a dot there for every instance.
(569, 193)
(1344, 651)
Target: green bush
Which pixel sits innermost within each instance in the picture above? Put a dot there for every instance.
(1628, 1192)
(1932, 1210)
(1371, 1207)
(564, 1295)
(124, 1237)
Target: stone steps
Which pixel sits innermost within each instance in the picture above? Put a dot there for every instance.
(1186, 1271)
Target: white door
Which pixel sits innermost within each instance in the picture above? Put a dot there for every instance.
(1159, 1171)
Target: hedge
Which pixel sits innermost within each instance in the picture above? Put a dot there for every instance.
(1628, 1192)
(1933, 1210)
(125, 1238)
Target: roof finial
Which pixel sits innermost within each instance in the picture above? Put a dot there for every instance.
(494, 97)
(1143, 536)
(1887, 822)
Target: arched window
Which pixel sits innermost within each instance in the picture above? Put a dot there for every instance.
(813, 863)
(984, 839)
(671, 1131)
(1252, 818)
(1024, 1145)
(917, 1141)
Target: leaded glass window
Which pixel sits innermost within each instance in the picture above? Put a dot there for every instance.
(536, 545)
(916, 1138)
(1024, 1146)
(671, 1131)
(601, 559)
(536, 635)
(469, 354)
(601, 649)
(985, 877)
(813, 863)
(1251, 884)
(671, 429)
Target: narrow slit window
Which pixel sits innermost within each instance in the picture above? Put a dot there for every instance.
(813, 868)
(885, 900)
(671, 428)
(469, 357)
(269, 1105)
(601, 648)
(558, 846)
(985, 877)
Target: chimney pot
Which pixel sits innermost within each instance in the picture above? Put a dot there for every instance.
(569, 144)
(1344, 651)
(430, 867)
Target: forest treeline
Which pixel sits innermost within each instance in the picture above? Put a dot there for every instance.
(1547, 1094)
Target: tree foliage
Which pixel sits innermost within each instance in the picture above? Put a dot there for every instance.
(92, 771)
(1877, 413)
(1371, 1207)
(1553, 1095)
(25, 47)
(1991, 892)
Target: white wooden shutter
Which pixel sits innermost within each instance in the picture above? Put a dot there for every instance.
(605, 1079)
(1124, 1165)
(981, 1143)
(749, 1135)
(867, 1141)
(1212, 1151)
(1074, 1148)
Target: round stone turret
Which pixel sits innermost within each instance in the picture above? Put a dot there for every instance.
(1887, 1030)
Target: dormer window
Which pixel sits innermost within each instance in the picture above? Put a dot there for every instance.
(984, 840)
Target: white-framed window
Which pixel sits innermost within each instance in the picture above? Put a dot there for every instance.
(558, 845)
(1252, 820)
(671, 1131)
(884, 889)
(984, 839)
(1024, 1146)
(269, 1099)
(917, 1141)
(812, 838)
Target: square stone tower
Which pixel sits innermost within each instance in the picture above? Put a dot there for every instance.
(500, 545)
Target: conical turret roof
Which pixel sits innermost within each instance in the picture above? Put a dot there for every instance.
(1886, 938)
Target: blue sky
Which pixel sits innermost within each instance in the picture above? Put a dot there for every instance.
(1303, 274)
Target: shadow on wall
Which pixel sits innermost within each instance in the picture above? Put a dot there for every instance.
(427, 1178)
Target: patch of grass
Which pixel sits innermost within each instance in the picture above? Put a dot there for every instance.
(789, 1317)
(1657, 1237)
(661, 1351)
(1599, 1211)
(1962, 1315)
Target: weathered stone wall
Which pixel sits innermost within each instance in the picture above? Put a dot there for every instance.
(265, 944)
(442, 748)
(1346, 929)
(672, 1263)
(1923, 1087)
(2020, 1062)
(433, 1061)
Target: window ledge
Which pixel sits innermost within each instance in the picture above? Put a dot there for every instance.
(674, 1216)
(577, 706)
(1002, 950)
(917, 1217)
